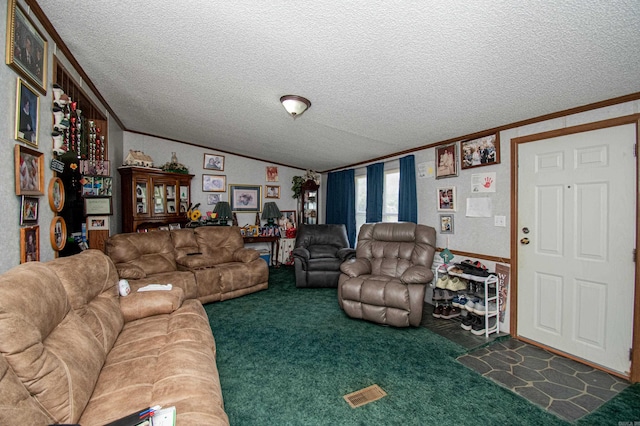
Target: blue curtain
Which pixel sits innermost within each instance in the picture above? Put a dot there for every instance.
(341, 201)
(375, 188)
(407, 202)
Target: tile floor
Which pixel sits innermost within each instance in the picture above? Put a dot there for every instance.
(561, 386)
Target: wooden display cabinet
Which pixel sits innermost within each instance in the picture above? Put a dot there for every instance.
(153, 197)
(309, 199)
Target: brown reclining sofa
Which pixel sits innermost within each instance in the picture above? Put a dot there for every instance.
(209, 263)
(73, 351)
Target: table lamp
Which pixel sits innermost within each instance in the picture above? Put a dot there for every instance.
(270, 212)
(224, 212)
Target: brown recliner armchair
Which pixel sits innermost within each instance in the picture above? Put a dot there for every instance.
(386, 281)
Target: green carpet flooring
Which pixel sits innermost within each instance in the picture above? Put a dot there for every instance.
(287, 356)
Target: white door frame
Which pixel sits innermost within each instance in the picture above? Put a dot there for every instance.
(634, 375)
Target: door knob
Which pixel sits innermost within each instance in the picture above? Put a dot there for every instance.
(524, 241)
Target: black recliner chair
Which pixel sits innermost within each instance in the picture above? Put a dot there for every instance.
(318, 253)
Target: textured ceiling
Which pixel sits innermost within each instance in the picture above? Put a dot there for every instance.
(382, 76)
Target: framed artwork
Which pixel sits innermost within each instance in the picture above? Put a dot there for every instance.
(98, 223)
(27, 104)
(478, 152)
(288, 219)
(272, 174)
(446, 224)
(56, 194)
(245, 198)
(58, 233)
(29, 171)
(30, 244)
(26, 47)
(97, 206)
(213, 183)
(213, 199)
(29, 210)
(213, 162)
(447, 161)
(447, 199)
(272, 191)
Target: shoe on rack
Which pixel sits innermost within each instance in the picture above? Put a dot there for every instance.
(479, 308)
(447, 295)
(467, 322)
(437, 294)
(480, 328)
(459, 301)
(471, 303)
(457, 284)
(437, 311)
(452, 312)
(492, 308)
(446, 311)
(442, 282)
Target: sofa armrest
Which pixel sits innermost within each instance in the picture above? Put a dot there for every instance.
(417, 275)
(196, 261)
(245, 255)
(301, 252)
(356, 267)
(149, 303)
(129, 271)
(346, 253)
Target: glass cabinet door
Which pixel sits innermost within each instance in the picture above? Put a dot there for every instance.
(141, 198)
(311, 207)
(171, 199)
(158, 198)
(184, 198)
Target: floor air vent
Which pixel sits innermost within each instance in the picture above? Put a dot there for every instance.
(364, 396)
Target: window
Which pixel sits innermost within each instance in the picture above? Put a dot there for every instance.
(389, 198)
(361, 201)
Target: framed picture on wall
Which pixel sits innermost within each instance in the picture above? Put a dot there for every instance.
(26, 47)
(483, 151)
(446, 224)
(29, 171)
(98, 223)
(447, 161)
(213, 162)
(58, 233)
(447, 199)
(30, 244)
(213, 183)
(272, 174)
(56, 194)
(29, 210)
(27, 107)
(273, 191)
(245, 198)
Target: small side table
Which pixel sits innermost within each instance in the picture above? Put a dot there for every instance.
(263, 239)
(286, 247)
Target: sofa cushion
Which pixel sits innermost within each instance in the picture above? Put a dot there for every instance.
(165, 360)
(183, 279)
(184, 242)
(151, 251)
(129, 271)
(93, 293)
(219, 242)
(148, 303)
(46, 344)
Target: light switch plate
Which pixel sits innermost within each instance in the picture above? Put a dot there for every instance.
(500, 221)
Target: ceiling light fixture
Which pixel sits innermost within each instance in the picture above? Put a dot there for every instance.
(295, 105)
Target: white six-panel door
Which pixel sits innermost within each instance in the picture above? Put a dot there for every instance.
(576, 199)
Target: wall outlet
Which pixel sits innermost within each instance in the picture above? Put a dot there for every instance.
(500, 221)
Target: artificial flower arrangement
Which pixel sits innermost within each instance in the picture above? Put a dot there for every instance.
(173, 166)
